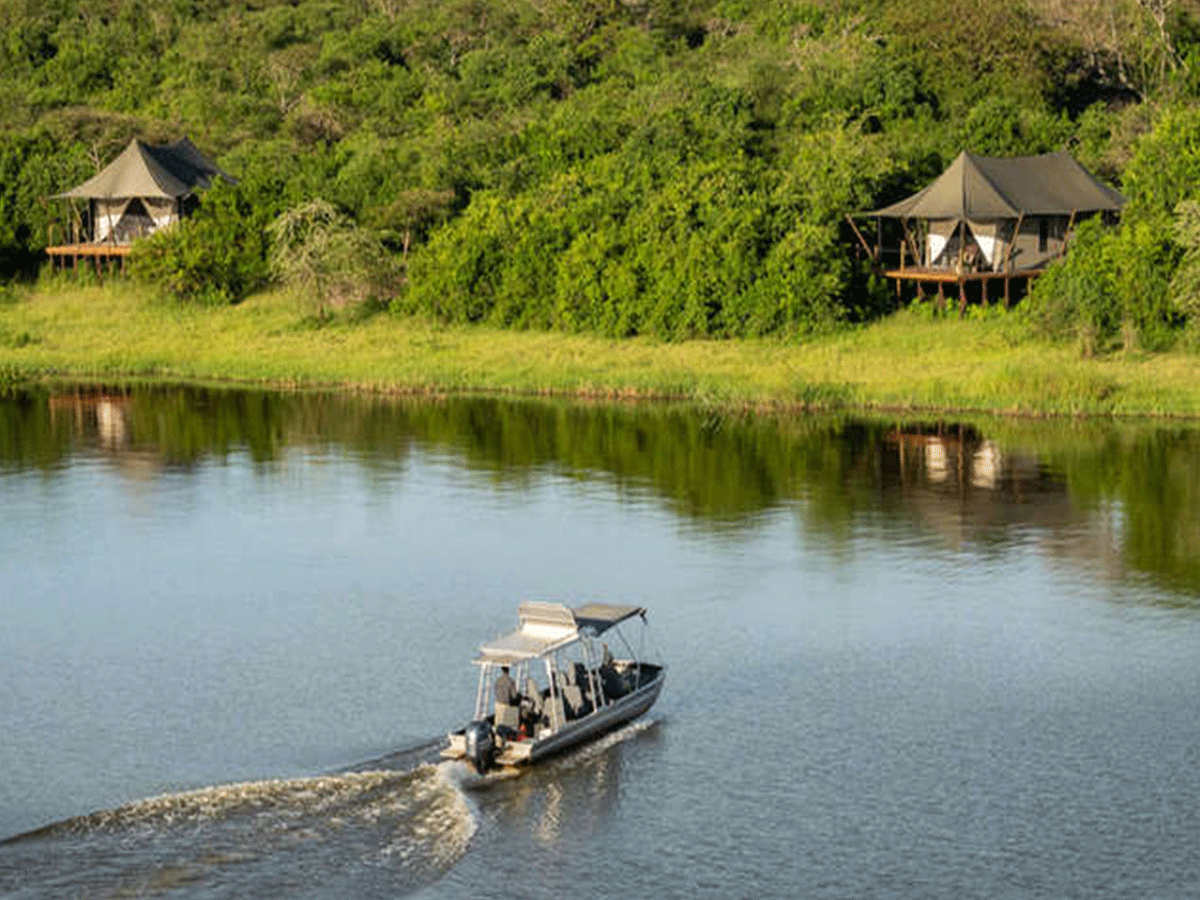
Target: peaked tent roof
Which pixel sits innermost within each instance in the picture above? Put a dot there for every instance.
(987, 187)
(151, 170)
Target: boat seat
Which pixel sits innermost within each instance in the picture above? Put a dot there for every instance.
(533, 696)
(532, 705)
(507, 716)
(554, 711)
(572, 695)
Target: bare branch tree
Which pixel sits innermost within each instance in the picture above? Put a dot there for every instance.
(318, 249)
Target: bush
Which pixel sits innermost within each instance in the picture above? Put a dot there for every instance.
(1115, 283)
(1185, 285)
(216, 256)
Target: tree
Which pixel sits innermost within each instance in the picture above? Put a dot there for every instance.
(318, 249)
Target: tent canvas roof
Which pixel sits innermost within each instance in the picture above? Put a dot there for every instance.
(150, 170)
(984, 187)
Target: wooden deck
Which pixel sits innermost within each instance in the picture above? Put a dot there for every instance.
(923, 275)
(104, 258)
(949, 276)
(89, 250)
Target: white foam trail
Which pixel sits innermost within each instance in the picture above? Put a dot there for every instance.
(406, 828)
(310, 795)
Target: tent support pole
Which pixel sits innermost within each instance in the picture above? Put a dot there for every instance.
(1062, 251)
(962, 293)
(1008, 255)
(870, 251)
(1013, 243)
(912, 247)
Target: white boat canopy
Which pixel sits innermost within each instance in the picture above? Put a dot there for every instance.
(546, 627)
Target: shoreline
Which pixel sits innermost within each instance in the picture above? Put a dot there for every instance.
(909, 365)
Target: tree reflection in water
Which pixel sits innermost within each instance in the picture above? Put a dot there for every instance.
(1118, 498)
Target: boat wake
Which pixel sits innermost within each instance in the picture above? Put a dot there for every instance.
(363, 834)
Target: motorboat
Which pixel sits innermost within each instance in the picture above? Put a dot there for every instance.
(553, 683)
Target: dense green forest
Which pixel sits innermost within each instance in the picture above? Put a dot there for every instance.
(669, 167)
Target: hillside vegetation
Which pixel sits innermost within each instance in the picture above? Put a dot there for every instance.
(672, 168)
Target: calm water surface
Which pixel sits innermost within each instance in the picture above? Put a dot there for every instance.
(906, 659)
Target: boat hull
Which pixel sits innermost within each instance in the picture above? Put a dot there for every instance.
(599, 722)
(578, 731)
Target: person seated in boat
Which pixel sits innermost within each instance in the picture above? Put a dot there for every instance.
(533, 713)
(584, 683)
(508, 704)
(610, 679)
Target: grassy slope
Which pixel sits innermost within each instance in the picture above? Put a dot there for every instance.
(907, 361)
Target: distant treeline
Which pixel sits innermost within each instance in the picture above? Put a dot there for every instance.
(670, 167)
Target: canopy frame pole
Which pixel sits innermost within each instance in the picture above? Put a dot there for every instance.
(551, 678)
(481, 691)
(589, 663)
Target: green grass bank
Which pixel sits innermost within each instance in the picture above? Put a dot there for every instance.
(909, 362)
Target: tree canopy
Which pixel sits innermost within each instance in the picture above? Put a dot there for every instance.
(673, 167)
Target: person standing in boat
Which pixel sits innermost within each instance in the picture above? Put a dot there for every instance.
(508, 703)
(506, 689)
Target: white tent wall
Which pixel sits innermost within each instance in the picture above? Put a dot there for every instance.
(1039, 241)
(105, 216)
(941, 234)
(945, 235)
(985, 237)
(164, 212)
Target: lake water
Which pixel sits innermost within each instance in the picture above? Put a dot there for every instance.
(907, 659)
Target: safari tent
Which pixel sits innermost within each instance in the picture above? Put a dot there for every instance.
(1000, 214)
(147, 187)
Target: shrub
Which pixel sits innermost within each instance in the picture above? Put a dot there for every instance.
(216, 256)
(1115, 282)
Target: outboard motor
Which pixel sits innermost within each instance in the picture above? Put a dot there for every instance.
(481, 745)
